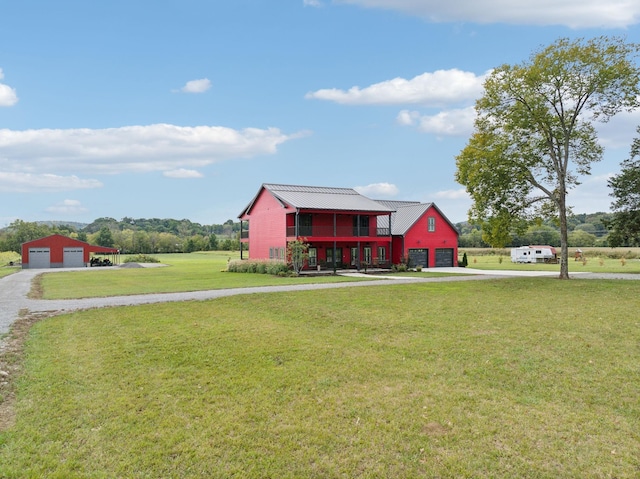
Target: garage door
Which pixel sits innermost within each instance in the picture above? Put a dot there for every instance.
(73, 258)
(39, 258)
(418, 257)
(444, 257)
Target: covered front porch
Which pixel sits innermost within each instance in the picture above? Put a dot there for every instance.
(348, 255)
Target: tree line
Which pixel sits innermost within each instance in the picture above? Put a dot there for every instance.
(585, 230)
(131, 235)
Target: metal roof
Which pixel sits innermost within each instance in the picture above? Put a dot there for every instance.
(404, 217)
(325, 198)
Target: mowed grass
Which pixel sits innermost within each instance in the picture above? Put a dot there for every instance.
(6, 257)
(514, 378)
(184, 272)
(596, 260)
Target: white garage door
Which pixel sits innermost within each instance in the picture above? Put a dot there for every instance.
(39, 258)
(73, 258)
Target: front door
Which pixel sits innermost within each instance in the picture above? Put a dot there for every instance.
(338, 257)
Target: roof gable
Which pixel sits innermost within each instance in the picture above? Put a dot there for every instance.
(407, 214)
(320, 198)
(58, 239)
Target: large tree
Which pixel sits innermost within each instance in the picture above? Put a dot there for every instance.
(625, 225)
(534, 135)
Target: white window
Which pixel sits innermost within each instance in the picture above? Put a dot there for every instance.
(431, 224)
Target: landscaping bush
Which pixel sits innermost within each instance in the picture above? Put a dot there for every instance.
(276, 268)
(141, 258)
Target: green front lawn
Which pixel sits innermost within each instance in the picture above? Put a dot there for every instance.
(185, 272)
(513, 378)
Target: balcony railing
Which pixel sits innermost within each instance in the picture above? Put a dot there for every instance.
(341, 231)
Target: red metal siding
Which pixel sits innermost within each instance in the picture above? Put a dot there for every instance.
(418, 236)
(267, 226)
(57, 244)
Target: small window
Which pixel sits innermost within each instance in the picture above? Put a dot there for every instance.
(431, 224)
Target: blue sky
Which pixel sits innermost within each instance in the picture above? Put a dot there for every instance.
(182, 109)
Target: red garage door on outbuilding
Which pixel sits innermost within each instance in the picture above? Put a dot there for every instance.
(57, 251)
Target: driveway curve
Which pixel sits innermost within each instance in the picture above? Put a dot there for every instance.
(15, 288)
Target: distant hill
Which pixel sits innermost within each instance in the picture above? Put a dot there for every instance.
(74, 224)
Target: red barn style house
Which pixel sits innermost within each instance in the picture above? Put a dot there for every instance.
(345, 229)
(57, 251)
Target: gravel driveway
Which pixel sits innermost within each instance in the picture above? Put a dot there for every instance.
(15, 287)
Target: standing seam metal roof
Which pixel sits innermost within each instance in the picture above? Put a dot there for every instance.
(323, 198)
(404, 217)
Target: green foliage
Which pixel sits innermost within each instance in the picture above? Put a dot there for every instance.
(275, 268)
(141, 258)
(625, 224)
(297, 254)
(534, 135)
(465, 261)
(105, 238)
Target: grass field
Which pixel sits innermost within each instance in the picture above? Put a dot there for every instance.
(202, 271)
(596, 260)
(5, 258)
(185, 272)
(514, 378)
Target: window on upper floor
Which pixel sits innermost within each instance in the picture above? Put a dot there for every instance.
(431, 224)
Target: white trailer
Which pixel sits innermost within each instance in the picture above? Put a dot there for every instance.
(534, 254)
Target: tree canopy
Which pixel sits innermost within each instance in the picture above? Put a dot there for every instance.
(534, 135)
(625, 224)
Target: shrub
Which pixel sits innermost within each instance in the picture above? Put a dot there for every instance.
(141, 258)
(276, 268)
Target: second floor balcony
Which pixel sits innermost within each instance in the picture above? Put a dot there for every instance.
(340, 231)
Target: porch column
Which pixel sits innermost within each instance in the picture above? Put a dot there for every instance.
(335, 233)
(241, 239)
(297, 230)
(390, 243)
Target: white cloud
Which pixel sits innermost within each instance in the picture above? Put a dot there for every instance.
(378, 190)
(312, 3)
(571, 13)
(459, 194)
(442, 87)
(196, 86)
(20, 182)
(8, 96)
(183, 173)
(67, 207)
(457, 122)
(131, 149)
